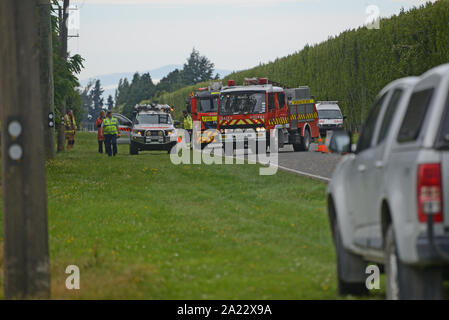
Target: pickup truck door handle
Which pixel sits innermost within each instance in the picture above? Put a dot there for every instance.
(379, 164)
(361, 168)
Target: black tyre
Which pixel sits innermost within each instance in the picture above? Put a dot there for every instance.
(170, 147)
(304, 145)
(133, 150)
(351, 275)
(405, 282)
(306, 140)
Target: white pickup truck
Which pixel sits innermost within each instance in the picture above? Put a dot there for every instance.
(388, 202)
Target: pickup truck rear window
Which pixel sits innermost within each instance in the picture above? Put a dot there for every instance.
(443, 138)
(389, 115)
(415, 115)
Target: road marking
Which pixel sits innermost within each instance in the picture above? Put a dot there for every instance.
(301, 173)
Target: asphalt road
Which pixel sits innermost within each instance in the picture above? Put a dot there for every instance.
(311, 164)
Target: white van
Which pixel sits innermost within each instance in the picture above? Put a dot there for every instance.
(329, 116)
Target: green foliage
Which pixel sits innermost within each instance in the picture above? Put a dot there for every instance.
(65, 77)
(128, 95)
(197, 69)
(353, 67)
(96, 94)
(176, 99)
(110, 102)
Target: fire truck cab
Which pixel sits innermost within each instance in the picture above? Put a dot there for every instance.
(267, 108)
(203, 105)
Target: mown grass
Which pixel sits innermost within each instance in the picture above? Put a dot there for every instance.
(140, 227)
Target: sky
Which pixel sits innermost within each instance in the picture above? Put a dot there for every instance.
(138, 35)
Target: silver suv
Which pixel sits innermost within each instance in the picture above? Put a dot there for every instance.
(388, 202)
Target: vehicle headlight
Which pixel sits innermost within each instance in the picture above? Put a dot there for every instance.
(160, 133)
(169, 132)
(260, 129)
(138, 133)
(148, 133)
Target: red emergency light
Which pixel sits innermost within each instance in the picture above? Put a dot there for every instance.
(231, 83)
(202, 89)
(263, 80)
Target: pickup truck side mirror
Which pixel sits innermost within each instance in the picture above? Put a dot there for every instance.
(340, 142)
(177, 124)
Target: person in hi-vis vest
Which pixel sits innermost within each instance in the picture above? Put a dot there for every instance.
(70, 129)
(110, 129)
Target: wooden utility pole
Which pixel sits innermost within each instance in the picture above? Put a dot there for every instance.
(26, 261)
(47, 84)
(63, 34)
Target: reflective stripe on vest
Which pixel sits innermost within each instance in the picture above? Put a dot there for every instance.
(110, 126)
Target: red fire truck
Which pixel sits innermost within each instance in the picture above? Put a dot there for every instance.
(203, 105)
(262, 106)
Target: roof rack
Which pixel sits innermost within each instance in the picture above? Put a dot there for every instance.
(153, 107)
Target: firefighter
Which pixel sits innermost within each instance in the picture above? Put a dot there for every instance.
(110, 129)
(70, 129)
(100, 134)
(188, 124)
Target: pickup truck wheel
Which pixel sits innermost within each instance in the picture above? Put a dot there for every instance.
(350, 269)
(405, 282)
(133, 150)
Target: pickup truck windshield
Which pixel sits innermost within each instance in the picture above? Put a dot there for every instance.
(208, 104)
(329, 114)
(153, 119)
(246, 102)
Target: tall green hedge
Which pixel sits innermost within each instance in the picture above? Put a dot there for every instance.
(354, 66)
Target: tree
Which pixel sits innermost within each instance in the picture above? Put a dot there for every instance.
(46, 74)
(172, 82)
(96, 95)
(110, 103)
(86, 100)
(63, 35)
(197, 68)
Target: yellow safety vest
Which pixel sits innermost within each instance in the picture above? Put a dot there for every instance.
(188, 125)
(110, 126)
(70, 124)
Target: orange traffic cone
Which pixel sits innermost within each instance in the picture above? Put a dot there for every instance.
(321, 146)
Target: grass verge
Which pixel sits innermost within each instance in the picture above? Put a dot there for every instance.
(140, 227)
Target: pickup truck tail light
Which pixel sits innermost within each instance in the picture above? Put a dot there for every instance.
(430, 200)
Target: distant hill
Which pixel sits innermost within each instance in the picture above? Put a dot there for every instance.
(110, 81)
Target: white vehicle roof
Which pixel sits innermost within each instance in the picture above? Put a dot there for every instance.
(153, 112)
(327, 105)
(265, 87)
